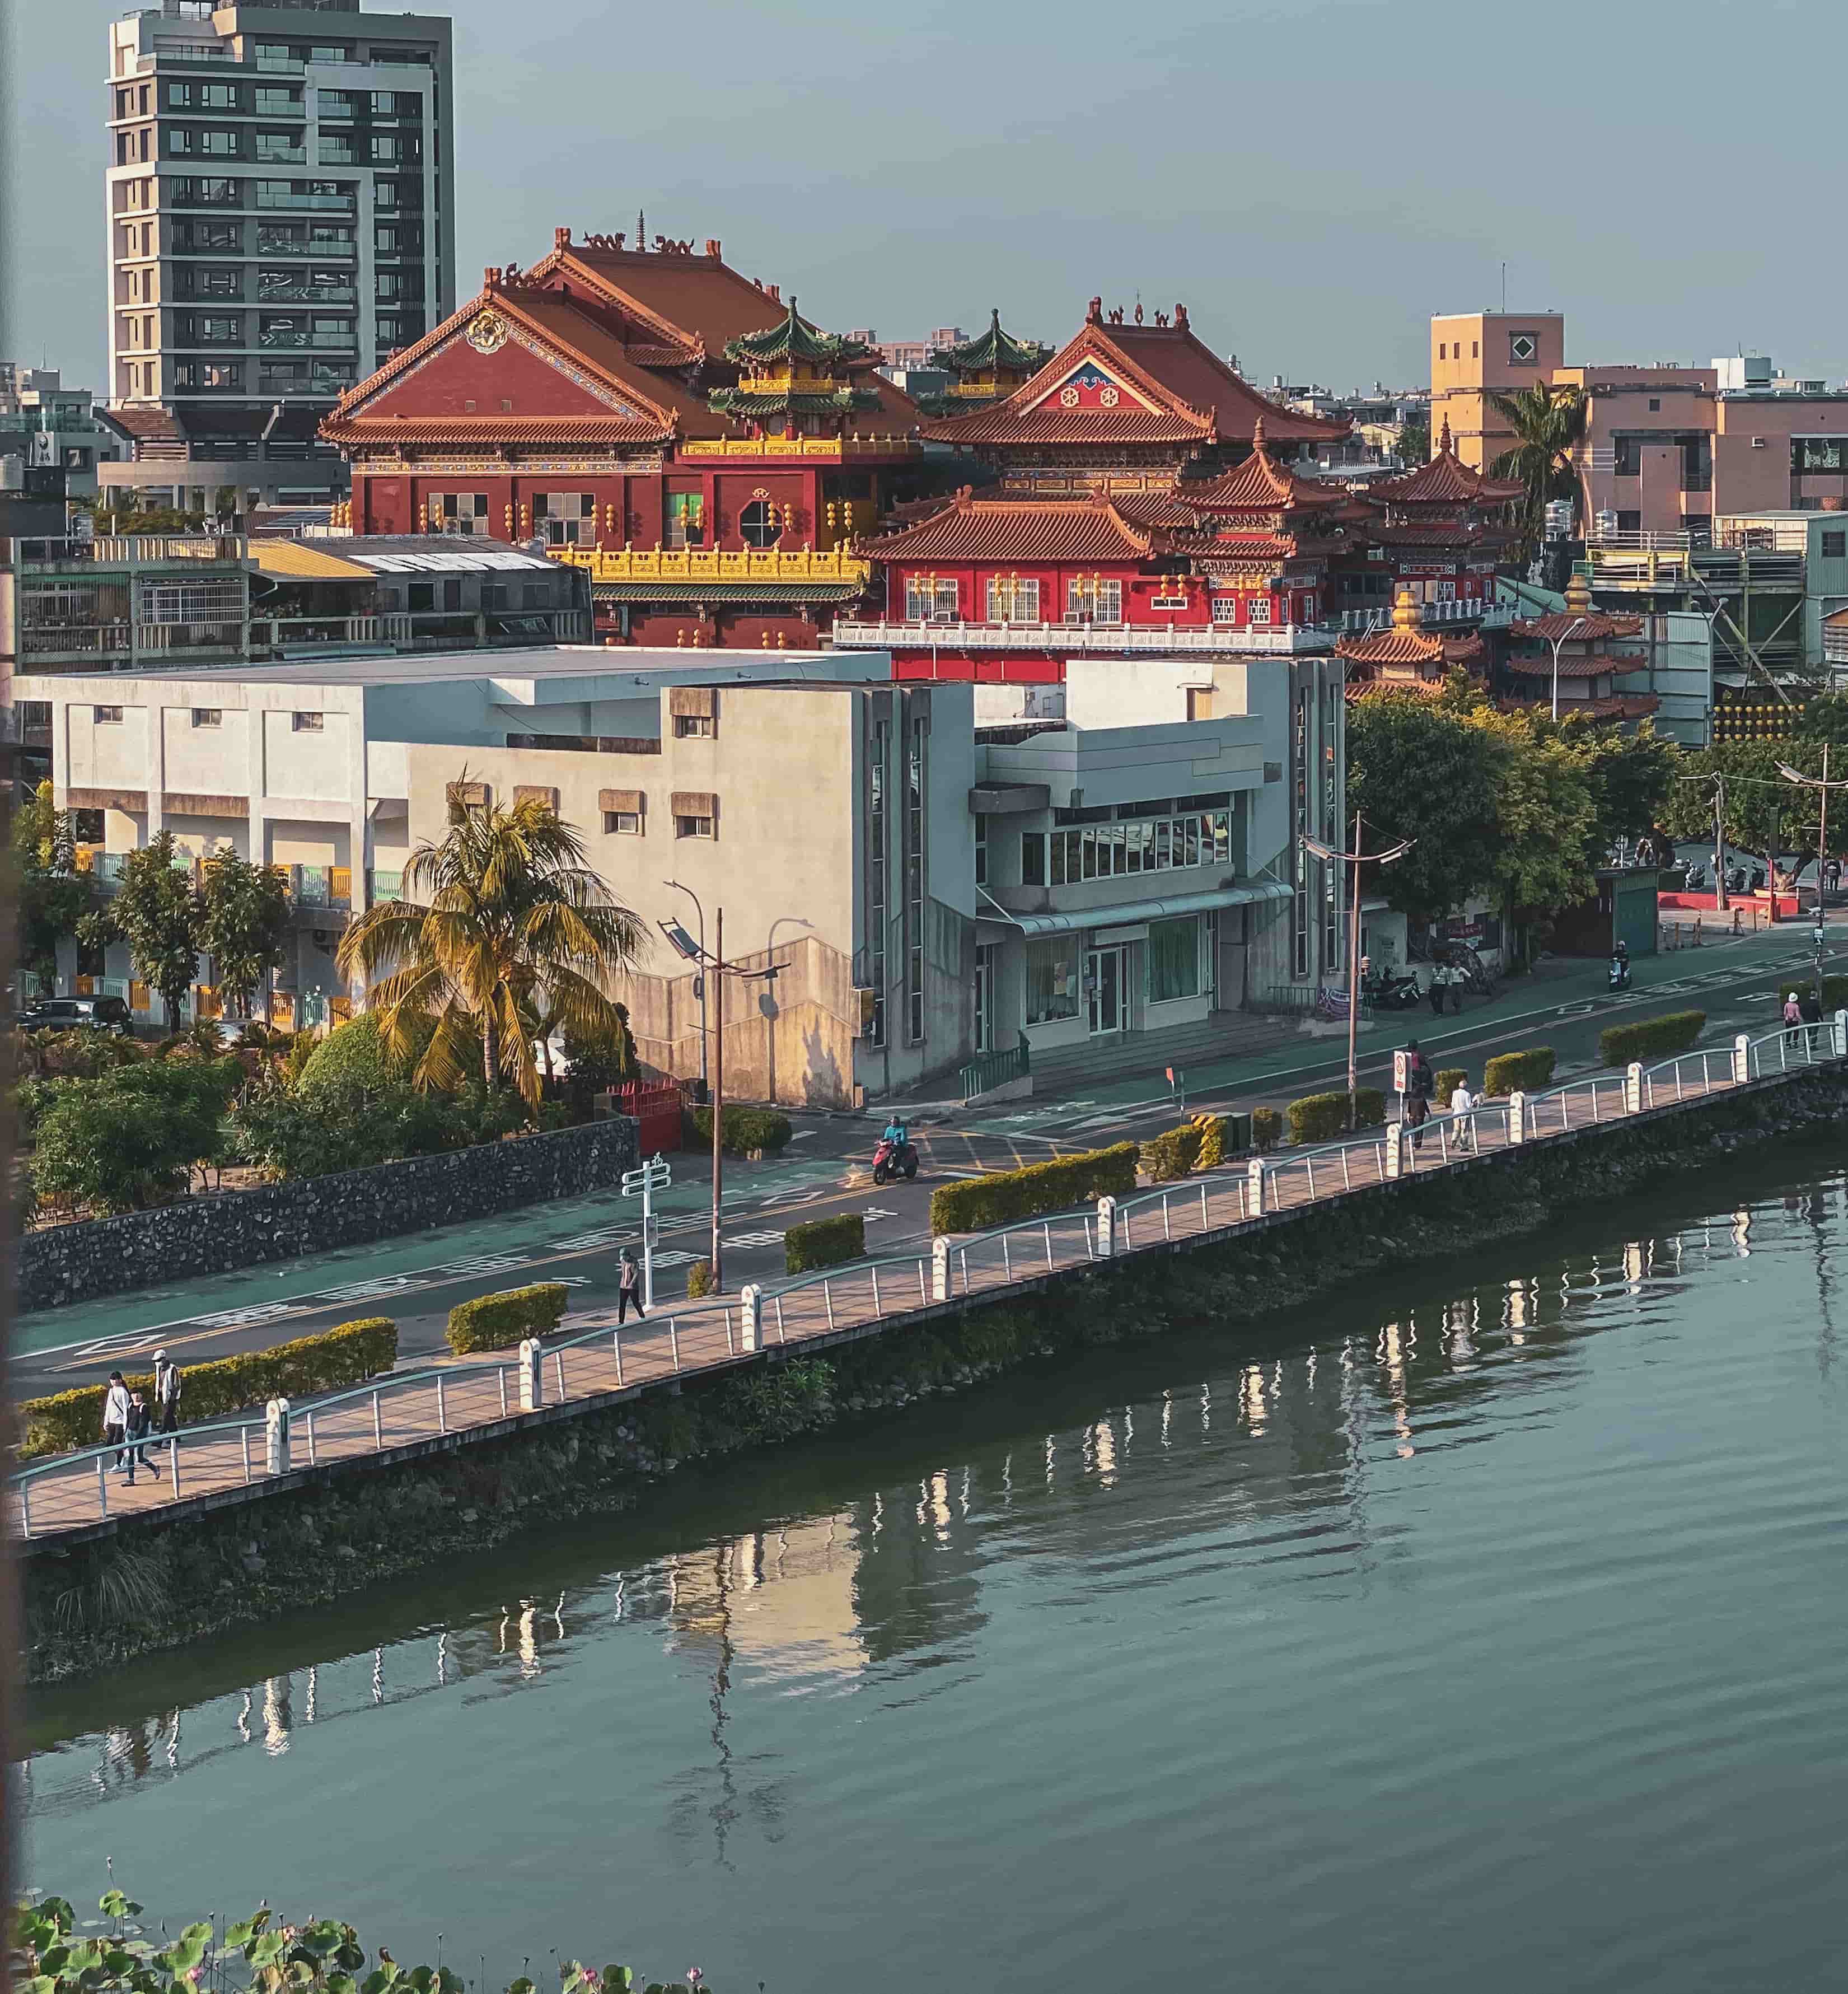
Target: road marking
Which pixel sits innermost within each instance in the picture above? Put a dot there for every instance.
(485, 1263)
(675, 1259)
(583, 1242)
(874, 1211)
(755, 1239)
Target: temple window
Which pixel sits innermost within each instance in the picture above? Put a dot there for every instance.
(1013, 598)
(759, 524)
(1258, 609)
(566, 518)
(930, 599)
(686, 519)
(1089, 598)
(463, 513)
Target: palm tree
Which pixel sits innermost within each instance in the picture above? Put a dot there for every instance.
(1549, 424)
(501, 921)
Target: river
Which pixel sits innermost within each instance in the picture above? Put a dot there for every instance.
(1486, 1625)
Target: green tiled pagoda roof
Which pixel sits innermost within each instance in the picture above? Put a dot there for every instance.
(994, 350)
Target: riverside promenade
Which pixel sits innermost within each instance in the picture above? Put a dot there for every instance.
(594, 1364)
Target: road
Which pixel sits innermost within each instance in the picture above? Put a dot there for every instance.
(418, 1277)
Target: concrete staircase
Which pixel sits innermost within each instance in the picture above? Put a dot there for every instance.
(1225, 1035)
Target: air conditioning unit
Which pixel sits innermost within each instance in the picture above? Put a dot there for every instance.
(1758, 443)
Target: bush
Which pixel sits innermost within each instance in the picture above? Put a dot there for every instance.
(1650, 1038)
(699, 1279)
(1174, 1153)
(346, 1354)
(345, 1123)
(824, 1242)
(1450, 1078)
(977, 1203)
(743, 1129)
(129, 1139)
(1321, 1117)
(353, 1052)
(498, 1322)
(1267, 1125)
(1834, 992)
(1518, 1073)
(1213, 1142)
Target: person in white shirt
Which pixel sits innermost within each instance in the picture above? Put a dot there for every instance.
(1462, 1102)
(115, 1414)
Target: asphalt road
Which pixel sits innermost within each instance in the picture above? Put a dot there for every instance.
(417, 1280)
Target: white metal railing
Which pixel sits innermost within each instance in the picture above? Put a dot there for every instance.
(1107, 637)
(604, 1356)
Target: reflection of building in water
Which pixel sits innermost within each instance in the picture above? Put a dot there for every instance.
(780, 1600)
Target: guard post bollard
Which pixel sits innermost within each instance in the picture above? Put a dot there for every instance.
(1839, 1031)
(1106, 1226)
(532, 1379)
(751, 1317)
(1633, 1088)
(1517, 1118)
(1255, 1187)
(1395, 1149)
(939, 1270)
(1742, 1060)
(276, 1433)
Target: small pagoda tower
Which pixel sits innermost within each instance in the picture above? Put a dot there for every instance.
(988, 368)
(1407, 659)
(792, 381)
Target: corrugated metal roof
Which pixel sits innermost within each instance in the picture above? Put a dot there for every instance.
(295, 561)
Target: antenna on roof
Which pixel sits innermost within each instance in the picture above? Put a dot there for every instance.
(1504, 286)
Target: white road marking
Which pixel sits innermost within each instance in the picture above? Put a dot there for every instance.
(484, 1263)
(874, 1211)
(755, 1239)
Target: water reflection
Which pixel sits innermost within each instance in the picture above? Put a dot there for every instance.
(891, 1582)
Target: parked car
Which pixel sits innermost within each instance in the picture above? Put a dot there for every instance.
(77, 1014)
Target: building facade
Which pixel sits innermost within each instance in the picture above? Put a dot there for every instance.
(45, 422)
(280, 194)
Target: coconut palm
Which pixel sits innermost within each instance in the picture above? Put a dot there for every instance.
(501, 921)
(1549, 424)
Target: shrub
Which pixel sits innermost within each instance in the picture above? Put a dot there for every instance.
(699, 1279)
(1321, 1118)
(1267, 1125)
(346, 1354)
(498, 1322)
(1650, 1038)
(824, 1242)
(1450, 1078)
(345, 1123)
(977, 1203)
(1518, 1073)
(743, 1129)
(129, 1139)
(1173, 1153)
(1213, 1134)
(353, 1052)
(1834, 992)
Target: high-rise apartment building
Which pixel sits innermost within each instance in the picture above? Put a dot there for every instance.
(281, 196)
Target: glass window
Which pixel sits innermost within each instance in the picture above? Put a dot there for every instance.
(1174, 959)
(108, 716)
(759, 524)
(1819, 453)
(930, 599)
(1052, 977)
(693, 827)
(686, 519)
(1013, 598)
(1033, 858)
(1090, 598)
(208, 716)
(307, 723)
(627, 823)
(1835, 545)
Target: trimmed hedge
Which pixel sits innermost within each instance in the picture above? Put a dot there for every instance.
(1175, 1153)
(824, 1242)
(1518, 1073)
(348, 1354)
(1321, 1118)
(699, 1278)
(1834, 992)
(1450, 1078)
(1267, 1125)
(499, 1322)
(1649, 1037)
(743, 1129)
(975, 1203)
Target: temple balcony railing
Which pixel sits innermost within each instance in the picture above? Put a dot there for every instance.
(823, 450)
(1285, 640)
(830, 564)
(1488, 616)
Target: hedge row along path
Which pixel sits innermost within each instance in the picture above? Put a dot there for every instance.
(594, 1361)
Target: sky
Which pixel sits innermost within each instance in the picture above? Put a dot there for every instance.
(1312, 178)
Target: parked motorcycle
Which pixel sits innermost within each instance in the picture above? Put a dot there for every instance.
(894, 1160)
(1388, 992)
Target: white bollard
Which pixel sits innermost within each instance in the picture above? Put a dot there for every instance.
(1517, 1118)
(1742, 1060)
(1395, 1149)
(275, 1430)
(1254, 1186)
(1106, 1226)
(532, 1378)
(1840, 1030)
(751, 1317)
(1633, 1088)
(940, 1270)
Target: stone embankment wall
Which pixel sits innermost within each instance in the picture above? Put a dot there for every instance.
(211, 1235)
(147, 1583)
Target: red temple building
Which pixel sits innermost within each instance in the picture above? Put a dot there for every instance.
(653, 416)
(1593, 657)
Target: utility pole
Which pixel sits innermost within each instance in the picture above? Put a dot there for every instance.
(1720, 902)
(1823, 786)
(718, 972)
(1356, 859)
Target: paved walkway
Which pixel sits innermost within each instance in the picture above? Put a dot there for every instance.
(597, 1357)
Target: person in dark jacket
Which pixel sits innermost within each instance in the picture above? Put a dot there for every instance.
(628, 1287)
(1811, 1006)
(1421, 1083)
(140, 1423)
(166, 1393)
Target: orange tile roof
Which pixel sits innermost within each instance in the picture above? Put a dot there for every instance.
(1016, 530)
(466, 430)
(1262, 485)
(1446, 480)
(1380, 648)
(1189, 395)
(1590, 626)
(1540, 664)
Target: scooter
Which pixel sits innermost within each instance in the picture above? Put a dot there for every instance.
(1393, 993)
(892, 1160)
(1619, 973)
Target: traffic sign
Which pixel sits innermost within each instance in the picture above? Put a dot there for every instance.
(1402, 1069)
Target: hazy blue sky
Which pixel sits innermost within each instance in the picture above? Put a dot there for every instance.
(1312, 177)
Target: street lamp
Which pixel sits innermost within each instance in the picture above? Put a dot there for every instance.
(684, 945)
(1356, 858)
(1564, 637)
(1822, 785)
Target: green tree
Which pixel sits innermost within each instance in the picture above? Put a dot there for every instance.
(1764, 813)
(598, 1062)
(130, 1139)
(52, 896)
(1633, 776)
(1825, 718)
(1548, 423)
(1416, 770)
(1546, 809)
(244, 920)
(156, 911)
(500, 918)
(1414, 441)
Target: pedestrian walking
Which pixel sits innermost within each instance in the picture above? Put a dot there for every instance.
(1463, 1104)
(1420, 1082)
(628, 1287)
(139, 1423)
(115, 1414)
(1832, 876)
(1793, 1020)
(1436, 993)
(166, 1393)
(1811, 1006)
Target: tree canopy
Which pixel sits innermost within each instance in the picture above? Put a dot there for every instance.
(1549, 424)
(243, 920)
(52, 896)
(157, 912)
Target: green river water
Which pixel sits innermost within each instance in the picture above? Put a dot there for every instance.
(1485, 1626)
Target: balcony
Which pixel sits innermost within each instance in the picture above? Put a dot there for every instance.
(384, 885)
(302, 636)
(319, 888)
(830, 450)
(1489, 615)
(344, 341)
(303, 292)
(131, 550)
(712, 564)
(1278, 639)
(325, 203)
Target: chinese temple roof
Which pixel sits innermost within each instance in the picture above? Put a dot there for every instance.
(1115, 384)
(792, 339)
(1446, 480)
(1590, 626)
(1017, 530)
(1261, 485)
(1406, 648)
(993, 351)
(1602, 665)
